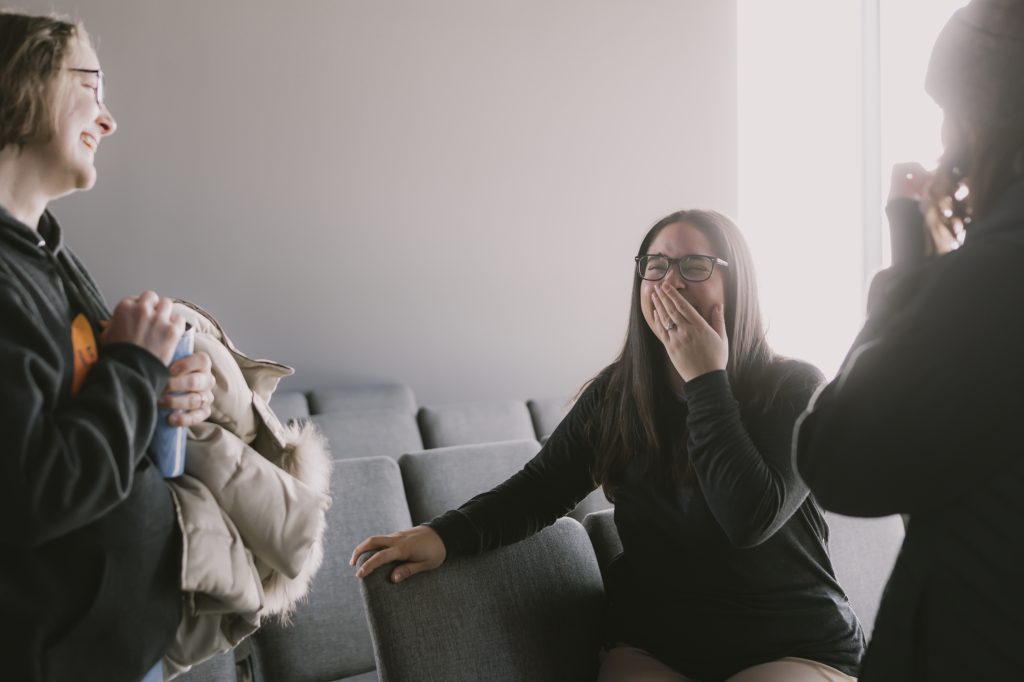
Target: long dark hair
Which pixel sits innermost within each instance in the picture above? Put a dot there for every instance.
(630, 423)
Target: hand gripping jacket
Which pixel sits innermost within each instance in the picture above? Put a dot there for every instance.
(251, 505)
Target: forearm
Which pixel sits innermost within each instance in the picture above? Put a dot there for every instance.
(751, 488)
(69, 463)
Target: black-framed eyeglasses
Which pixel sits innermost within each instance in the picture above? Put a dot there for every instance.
(693, 268)
(99, 83)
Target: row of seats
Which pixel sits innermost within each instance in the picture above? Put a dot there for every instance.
(365, 421)
(528, 611)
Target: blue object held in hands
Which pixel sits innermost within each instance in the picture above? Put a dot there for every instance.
(168, 446)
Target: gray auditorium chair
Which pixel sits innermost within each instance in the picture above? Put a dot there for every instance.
(386, 433)
(220, 668)
(289, 405)
(394, 397)
(863, 553)
(328, 638)
(442, 479)
(477, 422)
(546, 413)
(529, 611)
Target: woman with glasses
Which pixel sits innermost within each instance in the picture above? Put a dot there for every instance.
(725, 573)
(90, 547)
(925, 416)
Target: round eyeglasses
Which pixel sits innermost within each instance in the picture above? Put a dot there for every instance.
(693, 268)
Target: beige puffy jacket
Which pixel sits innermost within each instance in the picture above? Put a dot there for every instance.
(251, 505)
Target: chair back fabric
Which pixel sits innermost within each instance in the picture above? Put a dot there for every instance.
(863, 553)
(442, 479)
(378, 433)
(478, 422)
(397, 397)
(528, 611)
(546, 413)
(604, 536)
(328, 638)
(289, 405)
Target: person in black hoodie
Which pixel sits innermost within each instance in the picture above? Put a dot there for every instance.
(91, 553)
(725, 573)
(925, 415)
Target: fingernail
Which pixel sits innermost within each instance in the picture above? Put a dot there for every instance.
(397, 577)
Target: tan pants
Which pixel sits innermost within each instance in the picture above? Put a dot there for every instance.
(629, 664)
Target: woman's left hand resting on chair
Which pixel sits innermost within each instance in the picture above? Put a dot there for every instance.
(417, 549)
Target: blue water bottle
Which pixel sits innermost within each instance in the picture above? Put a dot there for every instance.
(168, 445)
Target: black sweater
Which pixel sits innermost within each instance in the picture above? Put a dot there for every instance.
(926, 417)
(716, 575)
(89, 547)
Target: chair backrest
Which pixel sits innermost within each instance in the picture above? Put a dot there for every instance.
(442, 479)
(289, 405)
(394, 397)
(604, 536)
(546, 413)
(863, 553)
(478, 422)
(328, 637)
(528, 611)
(382, 433)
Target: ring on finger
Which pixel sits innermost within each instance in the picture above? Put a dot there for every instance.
(670, 326)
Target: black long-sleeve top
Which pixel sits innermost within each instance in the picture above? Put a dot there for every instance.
(89, 545)
(926, 417)
(716, 575)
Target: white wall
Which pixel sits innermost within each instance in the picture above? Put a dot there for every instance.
(447, 193)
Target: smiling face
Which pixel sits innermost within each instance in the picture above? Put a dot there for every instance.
(67, 158)
(675, 241)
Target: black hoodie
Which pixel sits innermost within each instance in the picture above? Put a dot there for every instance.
(925, 419)
(89, 546)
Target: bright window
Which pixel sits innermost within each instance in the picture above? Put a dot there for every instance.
(831, 94)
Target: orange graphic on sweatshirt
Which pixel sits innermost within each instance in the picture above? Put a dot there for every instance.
(83, 347)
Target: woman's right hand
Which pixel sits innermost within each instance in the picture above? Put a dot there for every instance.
(419, 549)
(146, 321)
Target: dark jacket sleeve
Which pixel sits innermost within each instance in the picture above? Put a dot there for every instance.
(547, 488)
(67, 461)
(928, 402)
(751, 487)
